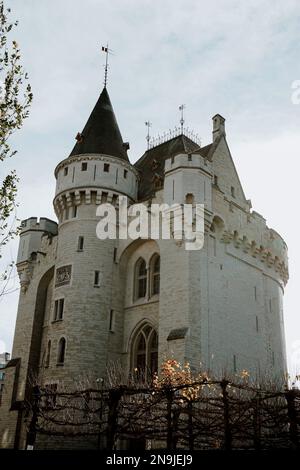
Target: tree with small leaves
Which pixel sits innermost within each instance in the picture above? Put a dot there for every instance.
(15, 101)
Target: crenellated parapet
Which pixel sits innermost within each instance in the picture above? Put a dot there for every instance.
(65, 203)
(273, 254)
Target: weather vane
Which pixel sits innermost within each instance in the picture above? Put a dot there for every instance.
(181, 108)
(107, 51)
(148, 124)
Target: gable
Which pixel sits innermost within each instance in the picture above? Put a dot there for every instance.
(228, 180)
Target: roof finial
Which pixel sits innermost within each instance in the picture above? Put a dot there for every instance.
(181, 108)
(148, 124)
(107, 51)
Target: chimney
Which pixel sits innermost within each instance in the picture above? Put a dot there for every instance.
(218, 126)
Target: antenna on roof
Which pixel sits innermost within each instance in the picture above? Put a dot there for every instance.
(181, 108)
(107, 51)
(148, 124)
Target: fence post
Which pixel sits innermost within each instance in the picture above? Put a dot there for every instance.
(31, 434)
(227, 427)
(169, 395)
(190, 424)
(257, 423)
(112, 419)
(290, 396)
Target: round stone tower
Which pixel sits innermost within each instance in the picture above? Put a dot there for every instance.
(84, 322)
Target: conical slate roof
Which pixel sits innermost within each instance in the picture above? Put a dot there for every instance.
(101, 133)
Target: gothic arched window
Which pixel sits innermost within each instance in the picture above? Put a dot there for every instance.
(145, 353)
(155, 274)
(61, 351)
(140, 279)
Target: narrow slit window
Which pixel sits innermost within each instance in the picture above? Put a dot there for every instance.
(74, 211)
(111, 320)
(125, 173)
(97, 278)
(47, 362)
(66, 169)
(61, 351)
(80, 243)
(232, 191)
(256, 322)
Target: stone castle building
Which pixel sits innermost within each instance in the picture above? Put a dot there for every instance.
(85, 302)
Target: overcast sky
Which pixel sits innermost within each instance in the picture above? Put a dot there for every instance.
(232, 57)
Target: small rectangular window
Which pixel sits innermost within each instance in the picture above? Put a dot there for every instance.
(59, 309)
(80, 243)
(215, 180)
(106, 167)
(83, 166)
(111, 321)
(66, 170)
(125, 173)
(74, 214)
(189, 157)
(232, 191)
(96, 278)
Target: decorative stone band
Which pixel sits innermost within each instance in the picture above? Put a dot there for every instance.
(257, 251)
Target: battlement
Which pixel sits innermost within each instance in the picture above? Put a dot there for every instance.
(187, 160)
(32, 232)
(41, 225)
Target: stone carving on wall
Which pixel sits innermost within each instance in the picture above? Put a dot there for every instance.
(63, 275)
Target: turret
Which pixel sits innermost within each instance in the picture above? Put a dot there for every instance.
(97, 171)
(31, 234)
